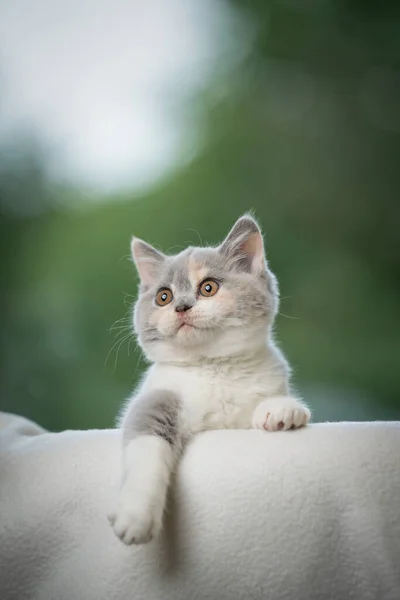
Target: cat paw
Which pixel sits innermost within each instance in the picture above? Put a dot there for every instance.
(280, 413)
(135, 524)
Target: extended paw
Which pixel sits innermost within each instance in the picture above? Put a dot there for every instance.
(280, 413)
(135, 524)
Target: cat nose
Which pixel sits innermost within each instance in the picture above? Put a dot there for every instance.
(182, 307)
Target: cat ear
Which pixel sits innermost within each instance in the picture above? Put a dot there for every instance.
(148, 261)
(244, 246)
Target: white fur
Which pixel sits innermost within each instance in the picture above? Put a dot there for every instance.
(232, 391)
(280, 412)
(148, 463)
(222, 393)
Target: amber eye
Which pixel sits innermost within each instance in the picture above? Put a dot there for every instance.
(164, 297)
(208, 288)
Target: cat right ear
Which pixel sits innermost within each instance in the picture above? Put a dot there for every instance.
(148, 261)
(244, 246)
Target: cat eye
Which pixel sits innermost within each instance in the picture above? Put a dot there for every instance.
(164, 297)
(208, 288)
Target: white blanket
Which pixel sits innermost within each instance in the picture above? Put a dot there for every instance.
(310, 514)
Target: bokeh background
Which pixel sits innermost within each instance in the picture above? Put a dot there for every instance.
(168, 120)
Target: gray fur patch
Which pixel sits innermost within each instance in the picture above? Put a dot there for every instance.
(179, 272)
(154, 413)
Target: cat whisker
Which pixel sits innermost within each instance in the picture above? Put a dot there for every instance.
(288, 316)
(119, 348)
(198, 235)
(120, 329)
(176, 246)
(127, 330)
(129, 345)
(122, 320)
(117, 343)
(125, 319)
(126, 256)
(138, 359)
(125, 326)
(126, 295)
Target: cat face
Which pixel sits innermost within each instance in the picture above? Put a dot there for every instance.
(205, 302)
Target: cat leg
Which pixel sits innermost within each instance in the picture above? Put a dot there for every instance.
(152, 442)
(280, 413)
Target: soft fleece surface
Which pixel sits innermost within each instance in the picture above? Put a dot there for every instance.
(312, 514)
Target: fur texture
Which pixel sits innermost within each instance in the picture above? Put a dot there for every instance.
(204, 319)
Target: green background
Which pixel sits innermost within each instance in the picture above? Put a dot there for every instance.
(308, 137)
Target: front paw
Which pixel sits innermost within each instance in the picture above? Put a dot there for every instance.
(280, 413)
(134, 523)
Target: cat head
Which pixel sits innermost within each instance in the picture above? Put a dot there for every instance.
(205, 302)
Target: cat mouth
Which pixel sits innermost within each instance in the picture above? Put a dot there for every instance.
(186, 326)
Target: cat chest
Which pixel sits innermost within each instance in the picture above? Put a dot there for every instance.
(214, 400)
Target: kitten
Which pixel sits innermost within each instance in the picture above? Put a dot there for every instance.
(204, 319)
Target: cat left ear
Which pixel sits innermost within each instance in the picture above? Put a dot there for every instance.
(244, 246)
(148, 261)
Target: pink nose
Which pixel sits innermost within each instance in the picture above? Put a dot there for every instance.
(181, 308)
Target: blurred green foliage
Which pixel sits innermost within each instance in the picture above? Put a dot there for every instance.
(308, 137)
